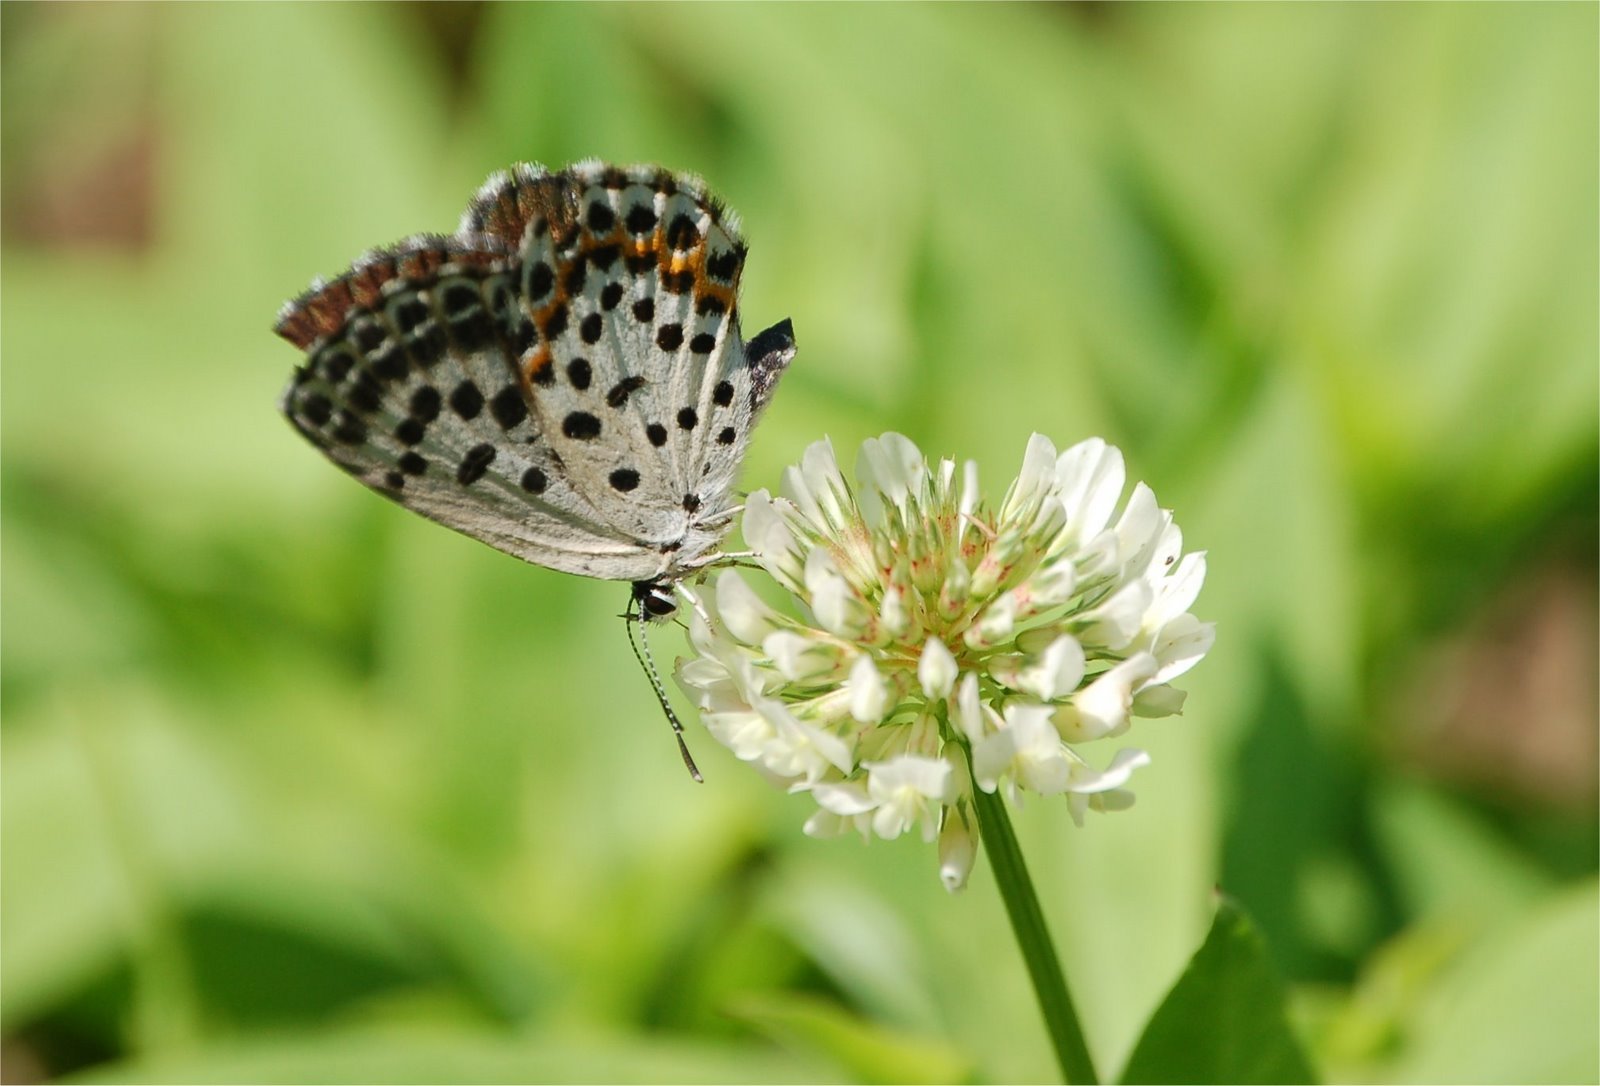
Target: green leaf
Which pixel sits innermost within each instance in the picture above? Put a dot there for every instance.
(868, 1051)
(1520, 1006)
(1224, 1020)
(434, 1054)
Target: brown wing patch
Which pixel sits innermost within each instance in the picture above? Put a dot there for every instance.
(509, 201)
(537, 369)
(322, 312)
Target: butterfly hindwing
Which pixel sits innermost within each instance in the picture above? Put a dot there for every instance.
(413, 389)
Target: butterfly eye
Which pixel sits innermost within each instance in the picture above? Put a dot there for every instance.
(654, 600)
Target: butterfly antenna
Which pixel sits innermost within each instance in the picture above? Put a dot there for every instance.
(646, 661)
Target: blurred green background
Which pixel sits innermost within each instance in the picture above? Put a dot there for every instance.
(299, 787)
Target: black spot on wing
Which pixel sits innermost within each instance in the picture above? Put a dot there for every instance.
(623, 389)
(475, 464)
(581, 426)
(316, 408)
(723, 266)
(508, 407)
(466, 401)
(540, 278)
(556, 322)
(425, 404)
(640, 220)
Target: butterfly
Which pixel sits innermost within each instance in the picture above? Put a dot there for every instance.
(563, 378)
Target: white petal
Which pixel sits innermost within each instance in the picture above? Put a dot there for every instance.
(918, 773)
(869, 694)
(746, 733)
(764, 530)
(724, 696)
(994, 625)
(968, 712)
(1086, 781)
(909, 789)
(1158, 700)
(1090, 476)
(1168, 550)
(827, 824)
(808, 485)
(1058, 672)
(799, 749)
(1182, 644)
(1052, 585)
(799, 658)
(744, 613)
(701, 674)
(1102, 707)
(957, 587)
(1041, 763)
(969, 488)
(893, 615)
(1097, 557)
(1117, 799)
(1114, 623)
(888, 469)
(838, 608)
(843, 797)
(827, 485)
(1139, 528)
(1034, 481)
(1047, 522)
(1026, 749)
(991, 758)
(891, 820)
(1038, 463)
(1176, 592)
(958, 847)
(1006, 669)
(937, 670)
(701, 635)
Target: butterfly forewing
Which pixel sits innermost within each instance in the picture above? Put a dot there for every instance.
(413, 391)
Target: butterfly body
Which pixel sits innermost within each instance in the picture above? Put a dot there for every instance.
(563, 378)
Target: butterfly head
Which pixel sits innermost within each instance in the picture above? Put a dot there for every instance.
(654, 600)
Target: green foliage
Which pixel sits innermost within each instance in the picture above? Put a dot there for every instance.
(296, 787)
(1224, 1020)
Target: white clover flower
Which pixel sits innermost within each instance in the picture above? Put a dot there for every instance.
(944, 645)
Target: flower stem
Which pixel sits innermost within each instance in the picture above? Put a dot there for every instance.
(1033, 938)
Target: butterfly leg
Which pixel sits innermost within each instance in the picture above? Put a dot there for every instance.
(738, 558)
